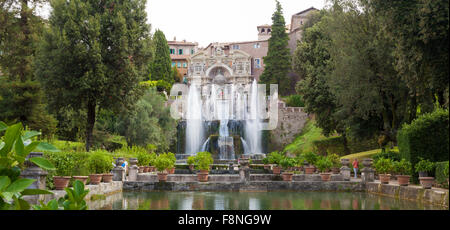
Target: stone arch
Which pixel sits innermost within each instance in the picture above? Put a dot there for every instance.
(230, 71)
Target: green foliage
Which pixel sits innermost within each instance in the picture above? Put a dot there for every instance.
(324, 164)
(384, 166)
(441, 173)
(191, 160)
(390, 154)
(15, 146)
(424, 165)
(66, 164)
(278, 59)
(426, 137)
(73, 200)
(275, 158)
(403, 167)
(331, 145)
(163, 162)
(295, 101)
(100, 162)
(310, 157)
(203, 160)
(335, 160)
(91, 65)
(288, 162)
(160, 67)
(303, 142)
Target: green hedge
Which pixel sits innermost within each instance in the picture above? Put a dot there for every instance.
(441, 176)
(335, 145)
(67, 164)
(425, 137)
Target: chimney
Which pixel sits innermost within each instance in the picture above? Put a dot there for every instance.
(175, 38)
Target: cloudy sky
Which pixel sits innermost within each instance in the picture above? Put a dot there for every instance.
(206, 21)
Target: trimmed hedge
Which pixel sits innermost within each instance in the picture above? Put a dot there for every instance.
(425, 137)
(335, 145)
(441, 176)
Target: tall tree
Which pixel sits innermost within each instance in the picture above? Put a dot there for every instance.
(21, 97)
(278, 59)
(161, 66)
(93, 56)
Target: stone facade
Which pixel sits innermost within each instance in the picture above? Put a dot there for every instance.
(180, 51)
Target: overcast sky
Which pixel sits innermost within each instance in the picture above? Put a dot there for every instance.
(206, 21)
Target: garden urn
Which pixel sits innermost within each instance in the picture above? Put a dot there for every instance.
(367, 162)
(403, 180)
(202, 176)
(141, 169)
(162, 176)
(384, 178)
(325, 176)
(287, 176)
(276, 170)
(83, 179)
(107, 177)
(61, 182)
(426, 182)
(95, 178)
(310, 169)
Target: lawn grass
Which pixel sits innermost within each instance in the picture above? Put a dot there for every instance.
(367, 154)
(304, 141)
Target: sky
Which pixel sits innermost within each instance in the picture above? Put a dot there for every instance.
(206, 21)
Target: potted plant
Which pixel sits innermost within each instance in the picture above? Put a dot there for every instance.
(311, 158)
(162, 163)
(423, 167)
(266, 163)
(334, 158)
(172, 157)
(99, 164)
(203, 160)
(384, 166)
(275, 159)
(403, 168)
(61, 182)
(324, 165)
(191, 163)
(83, 179)
(143, 161)
(152, 162)
(287, 163)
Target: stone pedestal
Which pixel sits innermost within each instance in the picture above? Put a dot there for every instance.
(367, 175)
(244, 170)
(133, 170)
(345, 172)
(119, 172)
(36, 173)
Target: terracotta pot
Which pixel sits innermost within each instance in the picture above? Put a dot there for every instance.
(146, 169)
(287, 176)
(191, 167)
(384, 178)
(310, 170)
(107, 177)
(202, 176)
(141, 169)
(95, 178)
(162, 176)
(61, 182)
(325, 176)
(335, 170)
(426, 182)
(266, 167)
(403, 180)
(172, 170)
(81, 178)
(276, 170)
(152, 168)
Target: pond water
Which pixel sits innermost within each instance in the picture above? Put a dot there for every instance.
(254, 201)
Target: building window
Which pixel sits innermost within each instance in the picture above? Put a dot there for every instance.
(179, 64)
(268, 31)
(192, 51)
(262, 30)
(257, 63)
(184, 65)
(172, 51)
(235, 47)
(180, 51)
(257, 45)
(173, 64)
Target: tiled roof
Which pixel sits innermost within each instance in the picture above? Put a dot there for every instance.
(304, 11)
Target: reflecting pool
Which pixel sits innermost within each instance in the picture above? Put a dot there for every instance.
(255, 201)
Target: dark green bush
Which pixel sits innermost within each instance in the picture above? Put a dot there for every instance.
(441, 173)
(390, 154)
(425, 137)
(295, 101)
(66, 164)
(335, 145)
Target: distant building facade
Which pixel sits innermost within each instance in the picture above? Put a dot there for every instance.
(180, 51)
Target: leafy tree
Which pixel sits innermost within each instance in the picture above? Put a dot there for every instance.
(278, 59)
(176, 76)
(160, 67)
(21, 96)
(92, 56)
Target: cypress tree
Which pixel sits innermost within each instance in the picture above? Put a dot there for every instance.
(160, 67)
(278, 59)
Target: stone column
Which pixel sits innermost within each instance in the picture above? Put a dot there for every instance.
(367, 173)
(119, 171)
(244, 170)
(133, 170)
(345, 170)
(36, 173)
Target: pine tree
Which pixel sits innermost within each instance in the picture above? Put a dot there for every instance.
(278, 59)
(160, 67)
(94, 55)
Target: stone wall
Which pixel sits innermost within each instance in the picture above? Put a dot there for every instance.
(291, 121)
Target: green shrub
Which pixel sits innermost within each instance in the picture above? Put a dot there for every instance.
(163, 162)
(275, 158)
(172, 157)
(287, 162)
(143, 159)
(310, 157)
(331, 145)
(384, 166)
(152, 160)
(403, 167)
(66, 164)
(324, 164)
(390, 154)
(295, 101)
(424, 165)
(203, 160)
(191, 160)
(335, 160)
(441, 173)
(426, 137)
(99, 162)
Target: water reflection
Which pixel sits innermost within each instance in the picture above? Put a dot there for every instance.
(254, 201)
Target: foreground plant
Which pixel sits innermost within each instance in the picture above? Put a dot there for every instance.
(15, 146)
(73, 200)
